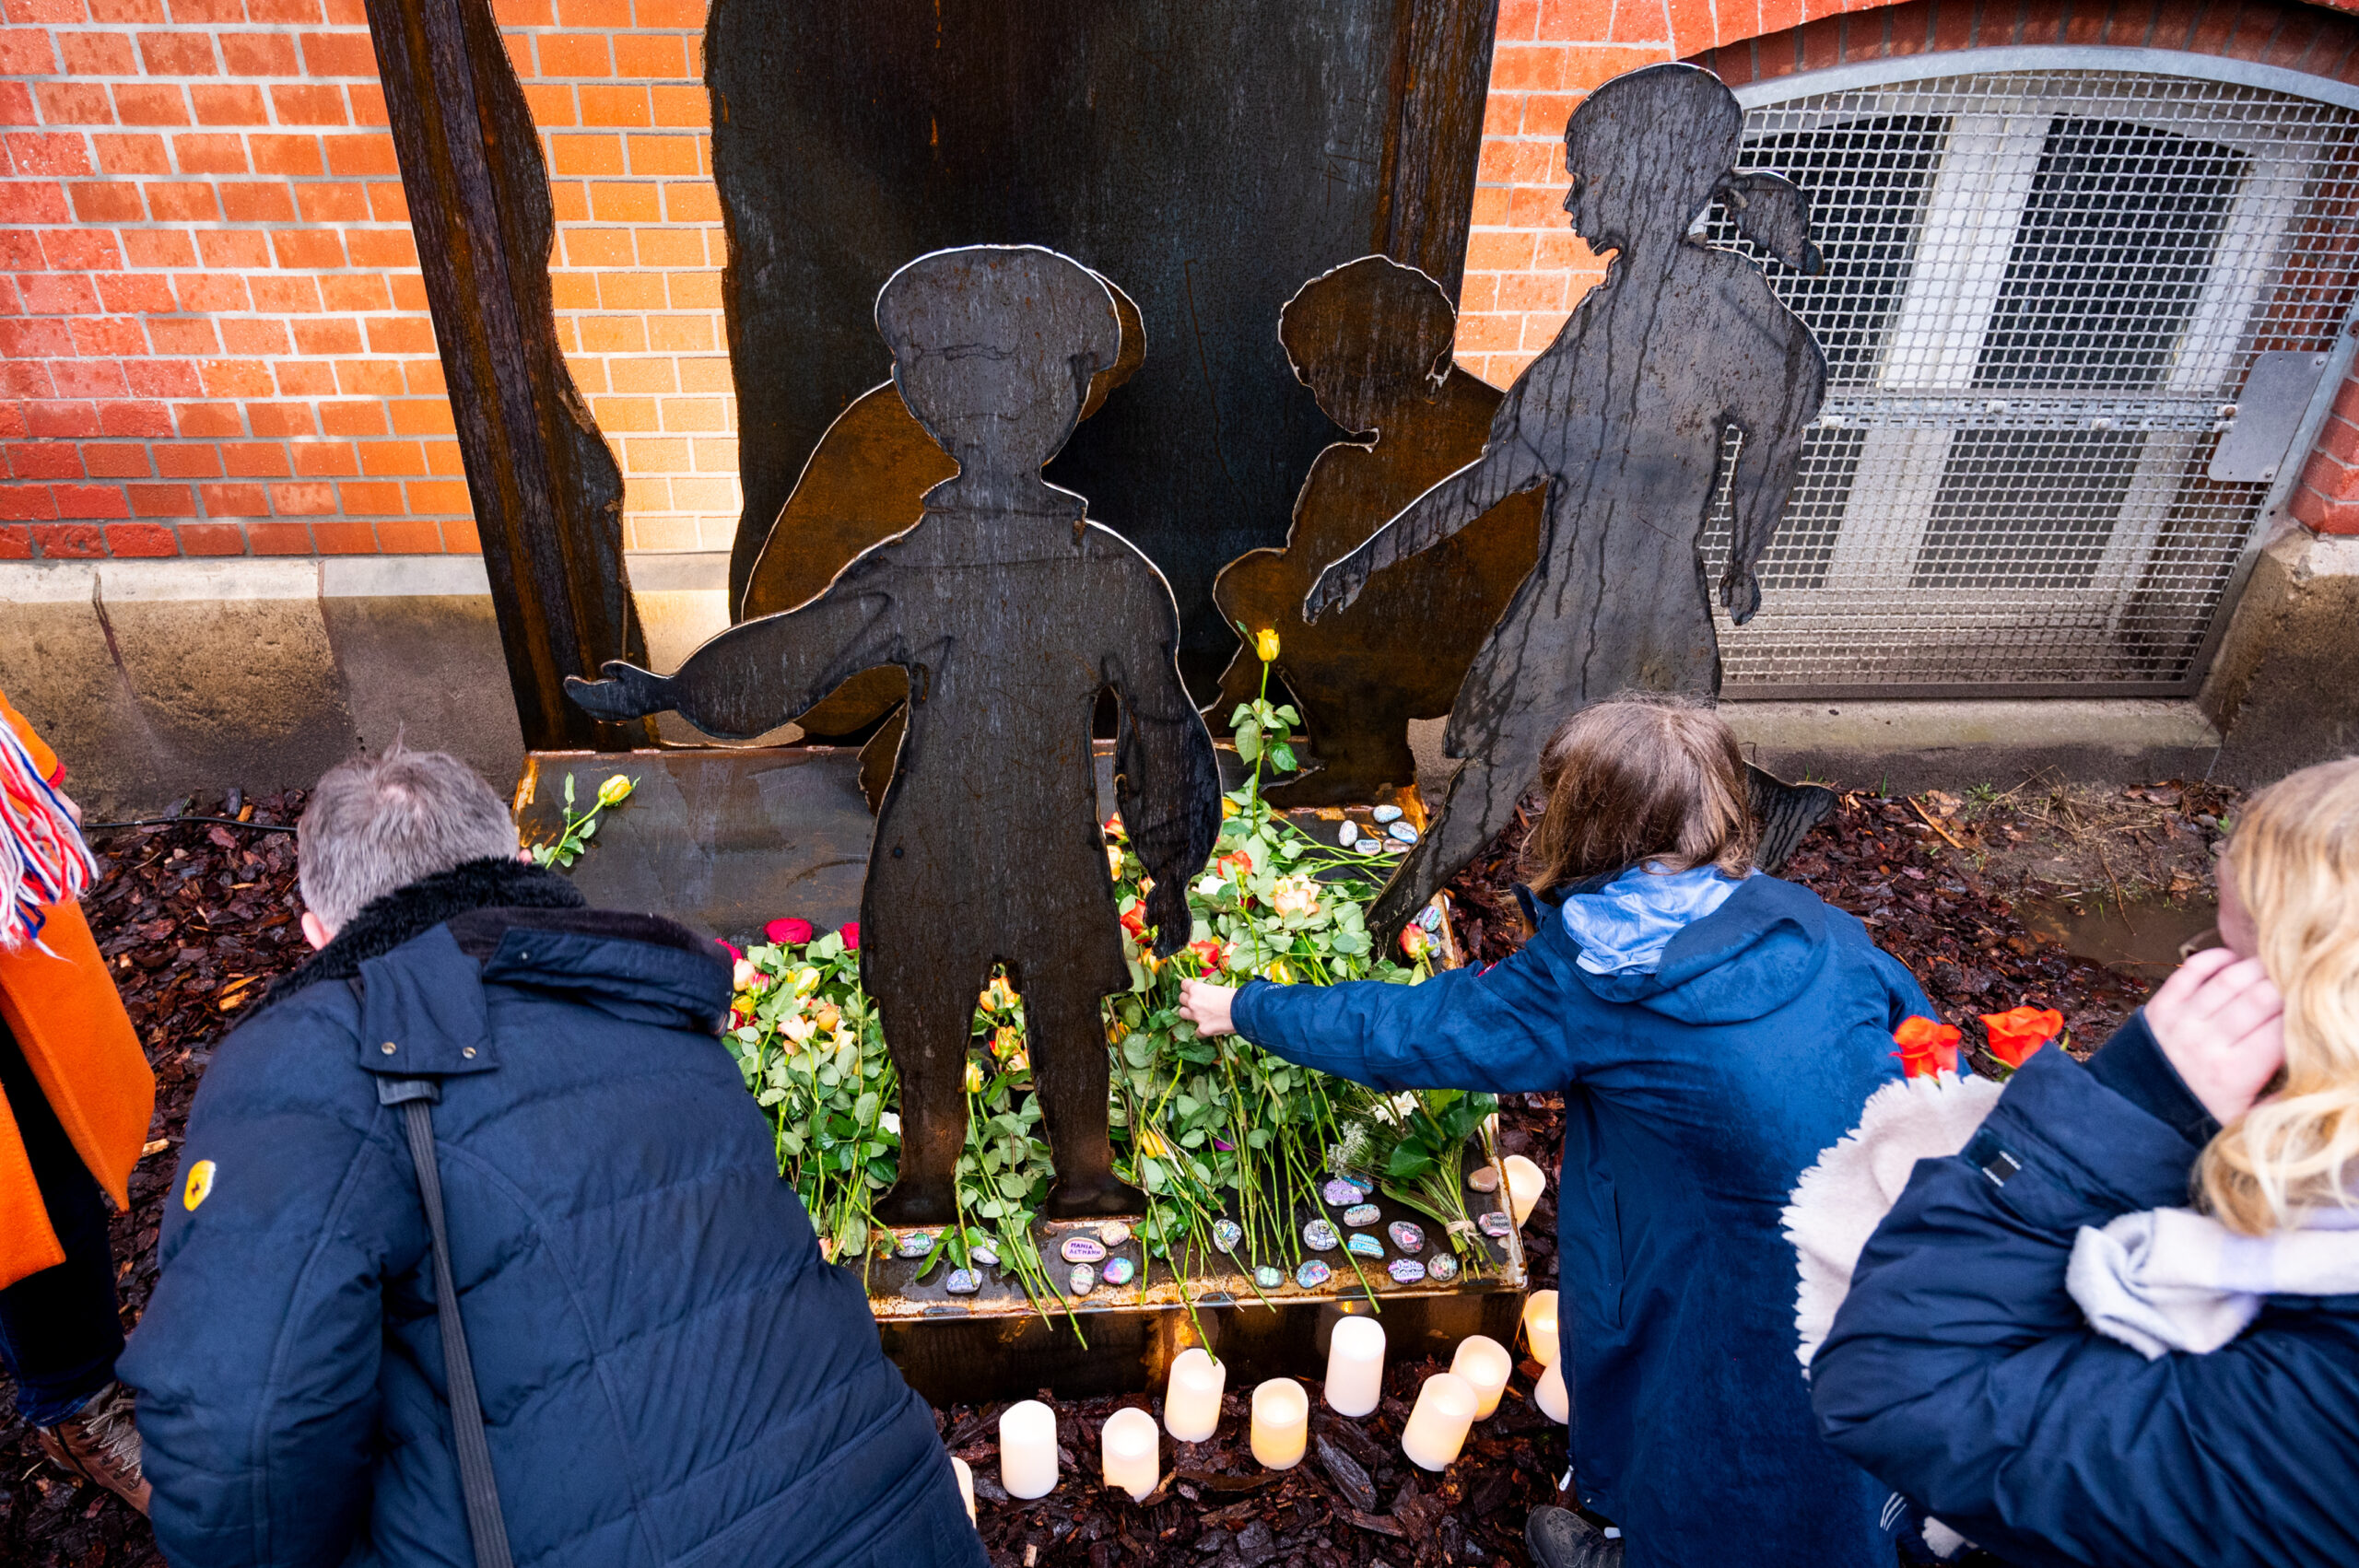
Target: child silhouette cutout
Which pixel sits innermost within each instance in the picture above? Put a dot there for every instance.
(1009, 612)
(1621, 420)
(1373, 340)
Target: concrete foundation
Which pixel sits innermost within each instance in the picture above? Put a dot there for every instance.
(2285, 686)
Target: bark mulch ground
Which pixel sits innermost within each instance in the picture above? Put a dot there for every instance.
(196, 917)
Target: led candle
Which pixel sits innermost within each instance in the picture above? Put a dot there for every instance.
(1355, 1367)
(1280, 1423)
(1484, 1362)
(1130, 1449)
(1540, 1327)
(1525, 1182)
(1436, 1428)
(965, 1484)
(1550, 1395)
(1028, 1450)
(1191, 1404)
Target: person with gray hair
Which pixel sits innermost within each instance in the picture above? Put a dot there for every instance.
(666, 1368)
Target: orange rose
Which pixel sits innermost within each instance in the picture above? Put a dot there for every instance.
(2020, 1030)
(1926, 1047)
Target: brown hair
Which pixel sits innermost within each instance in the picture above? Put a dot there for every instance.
(1641, 777)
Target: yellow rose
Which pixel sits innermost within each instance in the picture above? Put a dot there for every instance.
(1151, 1142)
(615, 791)
(807, 980)
(1229, 808)
(1265, 643)
(974, 1076)
(829, 1016)
(1277, 972)
(1114, 861)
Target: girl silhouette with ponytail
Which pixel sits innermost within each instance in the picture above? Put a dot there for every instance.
(1622, 419)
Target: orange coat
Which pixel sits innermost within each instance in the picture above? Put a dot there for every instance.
(70, 1024)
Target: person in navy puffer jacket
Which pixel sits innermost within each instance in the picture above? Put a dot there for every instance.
(2189, 1399)
(670, 1373)
(1712, 1028)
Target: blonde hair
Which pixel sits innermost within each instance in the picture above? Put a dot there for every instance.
(2296, 860)
(1641, 777)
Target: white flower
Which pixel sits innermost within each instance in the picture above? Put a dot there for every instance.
(742, 977)
(889, 1122)
(1291, 895)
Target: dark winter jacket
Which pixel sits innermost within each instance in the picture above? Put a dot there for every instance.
(1694, 1096)
(670, 1373)
(1961, 1372)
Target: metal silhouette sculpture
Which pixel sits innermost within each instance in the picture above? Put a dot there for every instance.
(866, 482)
(1009, 612)
(1622, 420)
(1373, 340)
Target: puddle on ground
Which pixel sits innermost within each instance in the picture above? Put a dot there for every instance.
(2140, 938)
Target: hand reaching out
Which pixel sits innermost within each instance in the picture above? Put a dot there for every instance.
(1206, 1006)
(2221, 1023)
(1337, 586)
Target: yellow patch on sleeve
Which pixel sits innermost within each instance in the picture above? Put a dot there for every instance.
(200, 1184)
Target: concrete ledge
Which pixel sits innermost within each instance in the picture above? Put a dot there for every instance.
(1918, 745)
(2285, 686)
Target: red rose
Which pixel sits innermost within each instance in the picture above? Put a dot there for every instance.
(1926, 1047)
(850, 932)
(731, 949)
(1207, 953)
(1134, 921)
(1238, 859)
(788, 933)
(2020, 1030)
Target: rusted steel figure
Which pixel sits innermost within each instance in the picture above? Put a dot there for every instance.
(1009, 612)
(1372, 340)
(1621, 419)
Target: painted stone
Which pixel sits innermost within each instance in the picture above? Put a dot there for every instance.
(1318, 1235)
(1443, 1268)
(1113, 1233)
(1407, 1237)
(1362, 1215)
(1084, 1279)
(984, 1255)
(1363, 1244)
(1119, 1271)
(1405, 1271)
(1341, 1194)
(1348, 835)
(1429, 918)
(1394, 847)
(1268, 1279)
(1313, 1274)
(1386, 813)
(1082, 1249)
(1403, 831)
(1227, 1233)
(963, 1283)
(1496, 1223)
(1484, 1178)
(916, 1244)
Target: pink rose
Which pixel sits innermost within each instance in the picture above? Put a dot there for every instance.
(733, 954)
(788, 933)
(850, 933)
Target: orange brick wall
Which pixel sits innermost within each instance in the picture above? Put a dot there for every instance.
(212, 339)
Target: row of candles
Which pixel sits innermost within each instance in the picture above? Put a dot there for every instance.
(1448, 1404)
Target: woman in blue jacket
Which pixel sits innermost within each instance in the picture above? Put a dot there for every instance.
(2002, 1364)
(1712, 1028)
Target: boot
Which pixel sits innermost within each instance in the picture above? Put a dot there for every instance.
(1561, 1539)
(99, 1443)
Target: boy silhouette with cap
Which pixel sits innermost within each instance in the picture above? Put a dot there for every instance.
(1010, 613)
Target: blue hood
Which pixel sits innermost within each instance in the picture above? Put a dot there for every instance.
(1746, 959)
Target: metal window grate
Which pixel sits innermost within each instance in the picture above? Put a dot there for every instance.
(2043, 288)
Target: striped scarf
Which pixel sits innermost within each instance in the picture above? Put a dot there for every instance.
(42, 857)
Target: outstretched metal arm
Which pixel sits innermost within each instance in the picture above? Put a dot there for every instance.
(760, 674)
(1165, 779)
(1775, 417)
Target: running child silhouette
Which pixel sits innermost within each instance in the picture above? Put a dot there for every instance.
(1010, 613)
(1622, 419)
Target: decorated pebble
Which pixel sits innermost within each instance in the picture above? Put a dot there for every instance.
(1386, 813)
(1318, 1235)
(1313, 1274)
(1227, 1233)
(1113, 1233)
(1083, 1249)
(1341, 1194)
(916, 1244)
(983, 1255)
(1484, 1178)
(1497, 1225)
(963, 1283)
(1362, 1215)
(1443, 1268)
(1397, 847)
(1268, 1279)
(1429, 918)
(1348, 835)
(1364, 1243)
(1405, 1271)
(1407, 1237)
(1084, 1279)
(1119, 1271)
(1403, 831)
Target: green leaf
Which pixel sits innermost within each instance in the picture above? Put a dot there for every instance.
(1281, 757)
(568, 788)
(1249, 740)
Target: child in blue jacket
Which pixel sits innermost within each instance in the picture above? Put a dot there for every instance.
(1712, 1028)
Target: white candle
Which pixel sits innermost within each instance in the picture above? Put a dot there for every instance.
(1525, 1183)
(1550, 1395)
(1028, 1450)
(1436, 1428)
(1540, 1327)
(1484, 1362)
(1355, 1367)
(965, 1484)
(1130, 1449)
(1280, 1423)
(1191, 1404)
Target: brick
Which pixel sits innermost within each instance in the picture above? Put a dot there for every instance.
(98, 54)
(63, 152)
(33, 201)
(127, 10)
(27, 51)
(117, 460)
(192, 335)
(388, 203)
(400, 335)
(437, 496)
(22, 503)
(69, 542)
(287, 295)
(363, 495)
(305, 377)
(395, 458)
(16, 542)
(368, 104)
(141, 418)
(409, 536)
(306, 248)
(694, 290)
(444, 458)
(212, 539)
(150, 104)
(235, 378)
(89, 378)
(408, 289)
(670, 246)
(234, 500)
(185, 12)
(682, 108)
(697, 203)
(16, 104)
(424, 378)
(183, 201)
(339, 54)
(325, 460)
(233, 249)
(587, 155)
(162, 500)
(304, 498)
(44, 460)
(259, 54)
(551, 104)
(79, 249)
(344, 538)
(74, 103)
(334, 201)
(307, 104)
(209, 419)
(188, 460)
(364, 153)
(1536, 206)
(279, 539)
(257, 201)
(367, 377)
(382, 247)
(1493, 251)
(645, 55)
(162, 378)
(297, 11)
(207, 154)
(211, 291)
(630, 290)
(24, 378)
(615, 105)
(286, 155)
(177, 54)
(681, 334)
(253, 337)
(353, 293)
(131, 539)
(89, 501)
(576, 54)
(110, 336)
(1588, 69)
(234, 104)
(255, 459)
(683, 14)
(601, 14)
(422, 417)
